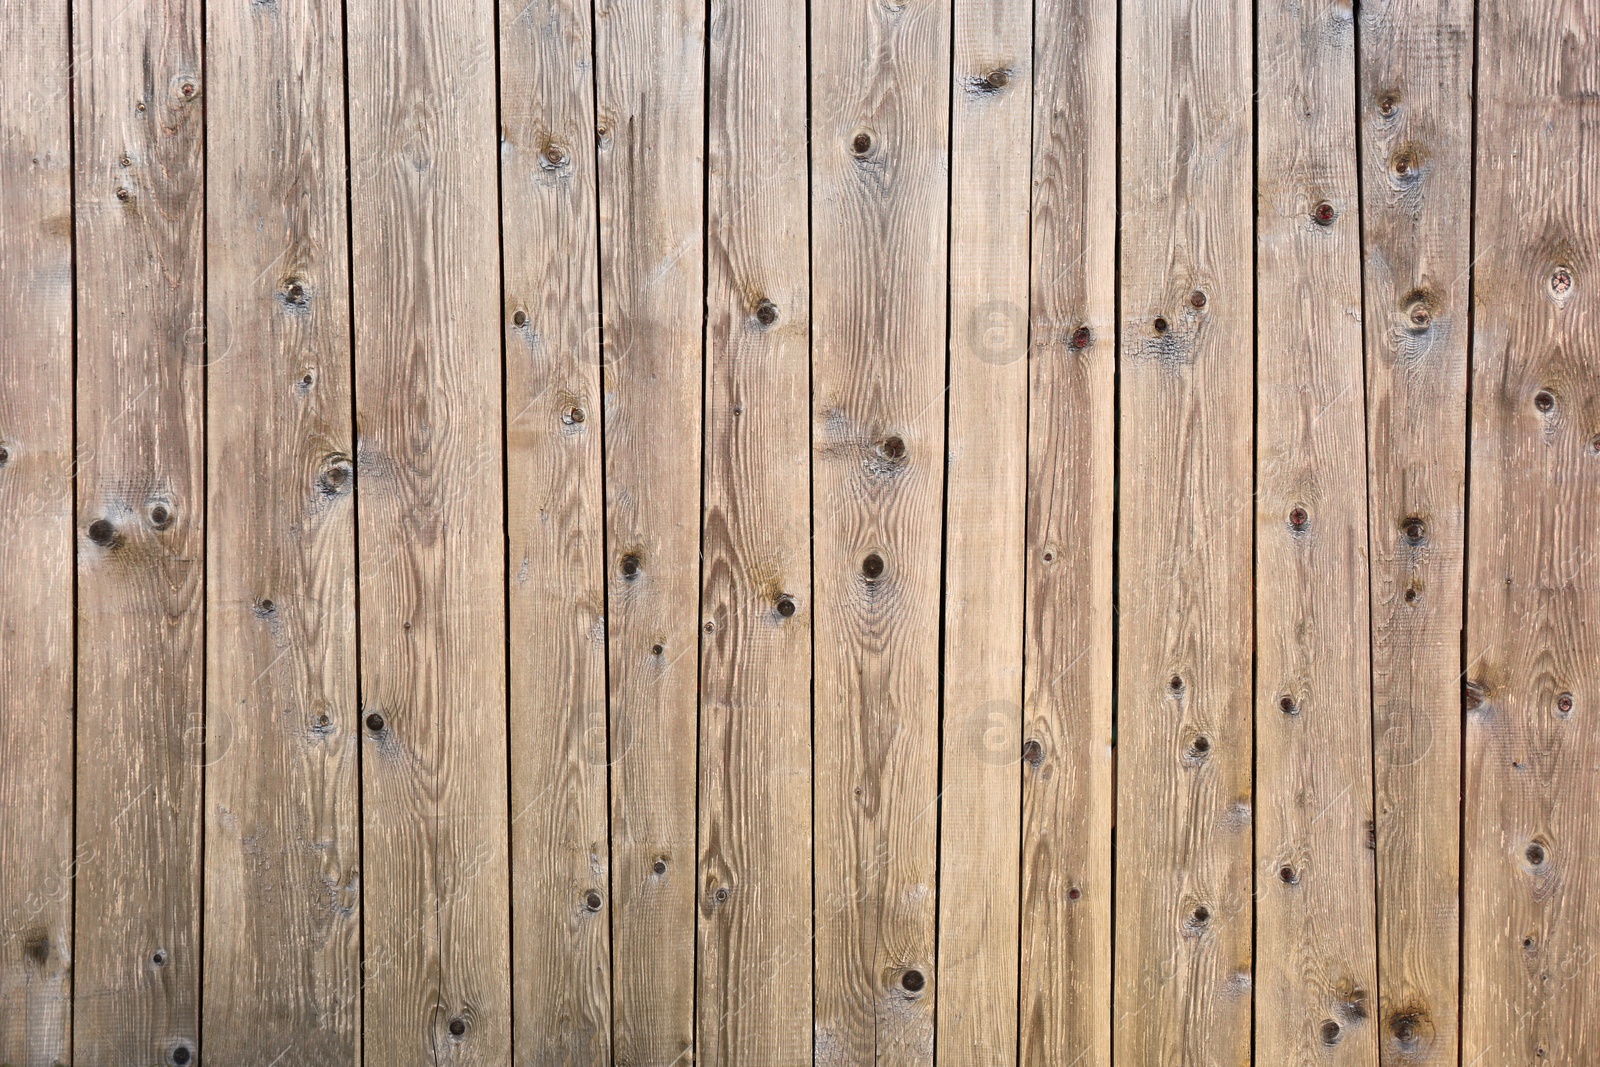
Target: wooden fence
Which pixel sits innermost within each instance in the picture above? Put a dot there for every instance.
(766, 532)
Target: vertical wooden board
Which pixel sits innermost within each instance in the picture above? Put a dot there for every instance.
(425, 284)
(650, 103)
(283, 856)
(754, 1003)
(1067, 770)
(141, 352)
(1415, 145)
(1184, 907)
(880, 90)
(36, 590)
(1531, 872)
(980, 861)
(1316, 979)
(561, 988)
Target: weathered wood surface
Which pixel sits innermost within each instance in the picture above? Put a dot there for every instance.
(880, 96)
(1184, 890)
(431, 548)
(1414, 109)
(585, 532)
(36, 535)
(754, 915)
(282, 831)
(1531, 924)
(1315, 938)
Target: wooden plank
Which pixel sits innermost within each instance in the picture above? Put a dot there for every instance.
(1067, 771)
(1184, 885)
(1531, 897)
(36, 586)
(561, 988)
(283, 852)
(425, 284)
(1414, 111)
(880, 90)
(142, 349)
(1316, 977)
(980, 849)
(754, 1003)
(651, 105)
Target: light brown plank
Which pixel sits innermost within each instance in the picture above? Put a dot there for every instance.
(651, 97)
(755, 717)
(980, 858)
(1316, 977)
(142, 348)
(1531, 873)
(1067, 771)
(283, 854)
(880, 91)
(1184, 886)
(561, 986)
(425, 285)
(1414, 108)
(36, 591)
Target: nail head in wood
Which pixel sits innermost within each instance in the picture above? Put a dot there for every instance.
(375, 723)
(913, 981)
(872, 566)
(786, 605)
(102, 533)
(766, 313)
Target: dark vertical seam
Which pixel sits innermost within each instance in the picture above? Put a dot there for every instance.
(1366, 426)
(205, 554)
(1116, 508)
(700, 582)
(1027, 487)
(505, 530)
(811, 513)
(1255, 486)
(1466, 533)
(72, 528)
(944, 530)
(355, 542)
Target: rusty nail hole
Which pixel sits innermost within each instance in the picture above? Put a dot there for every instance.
(458, 1027)
(721, 895)
(573, 415)
(519, 319)
(1535, 854)
(912, 981)
(1287, 875)
(872, 566)
(1324, 213)
(160, 517)
(786, 605)
(102, 533)
(160, 958)
(1201, 745)
(893, 448)
(997, 79)
(660, 866)
(1074, 893)
(1594, 444)
(1404, 1027)
(306, 379)
(738, 409)
(591, 900)
(1329, 1032)
(1528, 943)
(766, 313)
(375, 723)
(1388, 103)
(1033, 751)
(296, 293)
(1415, 530)
(1197, 299)
(630, 565)
(1049, 556)
(180, 1055)
(5, 455)
(1200, 916)
(1403, 163)
(266, 607)
(1564, 705)
(1560, 281)
(656, 650)
(1287, 705)
(125, 162)
(1419, 315)
(1175, 684)
(710, 626)
(554, 154)
(1081, 337)
(1543, 400)
(1298, 519)
(862, 144)
(123, 194)
(1161, 325)
(188, 89)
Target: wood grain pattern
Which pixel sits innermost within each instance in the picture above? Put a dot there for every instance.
(754, 1003)
(36, 584)
(986, 497)
(141, 350)
(1531, 875)
(561, 987)
(880, 91)
(1067, 770)
(431, 548)
(282, 841)
(1184, 887)
(650, 60)
(1415, 147)
(1316, 975)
